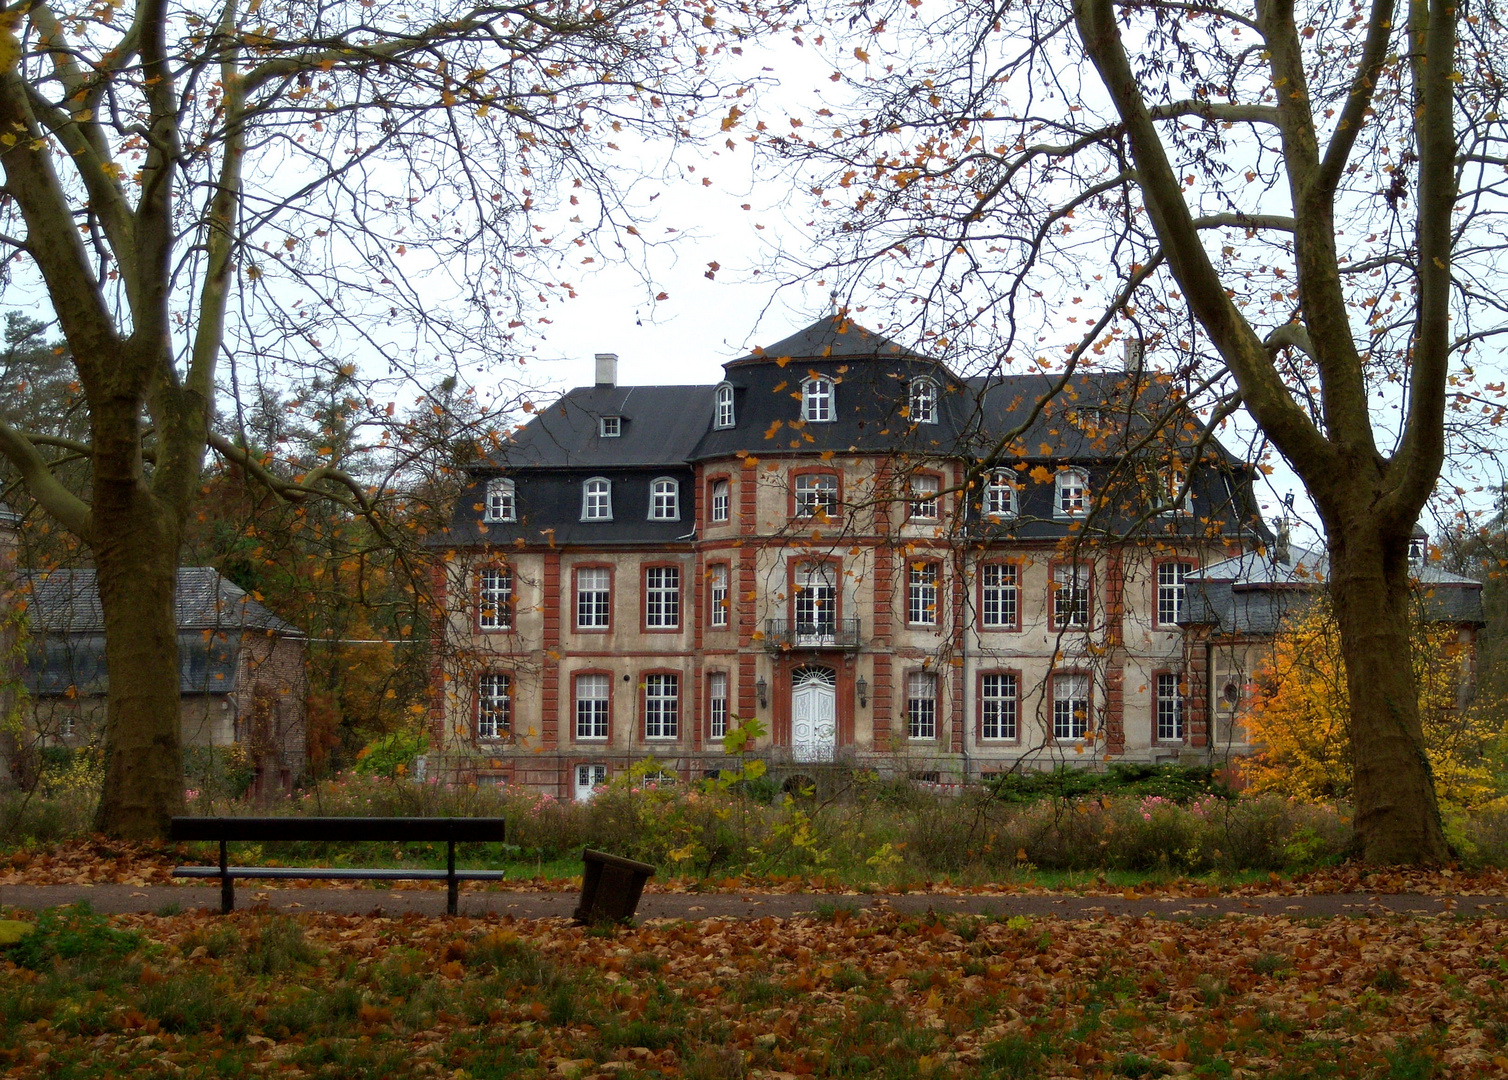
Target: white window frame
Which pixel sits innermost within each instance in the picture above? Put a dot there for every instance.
(999, 706)
(922, 590)
(1000, 495)
(722, 501)
(662, 705)
(1168, 707)
(922, 406)
(816, 494)
(664, 499)
(1170, 482)
(593, 709)
(1070, 706)
(494, 598)
(610, 427)
(1071, 607)
(662, 597)
(1071, 494)
(597, 499)
(717, 704)
(494, 705)
(723, 414)
(599, 611)
(925, 503)
(815, 605)
(819, 399)
(1172, 591)
(501, 501)
(921, 705)
(717, 595)
(1000, 596)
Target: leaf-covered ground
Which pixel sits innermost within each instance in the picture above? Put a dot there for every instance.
(867, 995)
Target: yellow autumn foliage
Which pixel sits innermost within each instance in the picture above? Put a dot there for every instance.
(1301, 717)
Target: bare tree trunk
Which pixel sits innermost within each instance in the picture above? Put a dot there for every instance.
(136, 561)
(1397, 816)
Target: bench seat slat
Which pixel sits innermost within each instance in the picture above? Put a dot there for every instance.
(342, 874)
(343, 829)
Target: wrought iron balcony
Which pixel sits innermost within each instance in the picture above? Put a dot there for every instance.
(827, 634)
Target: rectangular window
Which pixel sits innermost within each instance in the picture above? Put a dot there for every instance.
(719, 500)
(494, 706)
(999, 596)
(661, 706)
(717, 704)
(1070, 706)
(665, 500)
(1070, 596)
(612, 427)
(816, 495)
(594, 598)
(817, 400)
(717, 595)
(816, 606)
(500, 504)
(662, 597)
(997, 706)
(591, 706)
(1171, 589)
(495, 599)
(924, 500)
(921, 594)
(1169, 708)
(597, 500)
(921, 705)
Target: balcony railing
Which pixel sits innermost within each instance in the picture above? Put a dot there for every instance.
(828, 634)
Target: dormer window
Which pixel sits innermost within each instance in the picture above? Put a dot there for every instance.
(817, 400)
(610, 427)
(1072, 494)
(722, 414)
(1171, 482)
(500, 504)
(923, 405)
(597, 500)
(665, 500)
(1000, 495)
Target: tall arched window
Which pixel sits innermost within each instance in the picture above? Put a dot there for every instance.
(500, 505)
(923, 404)
(597, 500)
(817, 399)
(723, 416)
(665, 500)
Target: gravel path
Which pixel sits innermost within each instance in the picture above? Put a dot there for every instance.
(544, 905)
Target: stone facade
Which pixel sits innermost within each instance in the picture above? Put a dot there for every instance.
(828, 543)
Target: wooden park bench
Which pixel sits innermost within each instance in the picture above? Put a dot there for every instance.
(337, 830)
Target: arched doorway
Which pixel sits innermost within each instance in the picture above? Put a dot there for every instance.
(814, 713)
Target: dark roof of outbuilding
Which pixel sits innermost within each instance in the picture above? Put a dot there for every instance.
(834, 336)
(67, 601)
(1255, 594)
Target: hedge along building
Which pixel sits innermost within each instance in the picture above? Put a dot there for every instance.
(887, 565)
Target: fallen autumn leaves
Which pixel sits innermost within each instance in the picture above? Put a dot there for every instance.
(873, 994)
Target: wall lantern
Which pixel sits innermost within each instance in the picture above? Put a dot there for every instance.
(862, 686)
(762, 688)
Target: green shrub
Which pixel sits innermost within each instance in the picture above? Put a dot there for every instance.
(393, 754)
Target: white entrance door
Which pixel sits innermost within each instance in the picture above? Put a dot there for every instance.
(814, 714)
(588, 777)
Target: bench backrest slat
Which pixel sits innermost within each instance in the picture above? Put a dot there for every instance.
(337, 828)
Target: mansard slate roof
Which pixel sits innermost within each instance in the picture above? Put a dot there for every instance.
(668, 430)
(1257, 594)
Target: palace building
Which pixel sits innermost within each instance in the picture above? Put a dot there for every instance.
(885, 564)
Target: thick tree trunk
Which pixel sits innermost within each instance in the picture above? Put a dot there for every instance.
(1397, 817)
(136, 560)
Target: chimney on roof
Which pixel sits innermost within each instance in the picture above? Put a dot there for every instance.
(607, 369)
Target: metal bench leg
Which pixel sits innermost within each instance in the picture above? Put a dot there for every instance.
(227, 884)
(450, 880)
